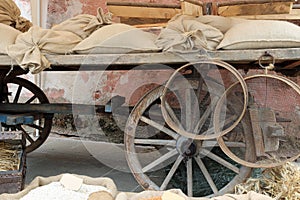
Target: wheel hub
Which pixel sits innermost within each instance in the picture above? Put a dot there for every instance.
(186, 147)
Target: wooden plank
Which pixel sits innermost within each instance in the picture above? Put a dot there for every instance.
(141, 4)
(257, 132)
(153, 60)
(195, 2)
(160, 25)
(295, 11)
(243, 2)
(271, 143)
(191, 9)
(292, 65)
(285, 17)
(52, 108)
(255, 9)
(143, 12)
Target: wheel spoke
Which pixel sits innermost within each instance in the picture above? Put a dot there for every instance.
(212, 130)
(173, 115)
(206, 175)
(199, 88)
(171, 143)
(160, 160)
(35, 126)
(188, 110)
(171, 172)
(16, 99)
(205, 115)
(27, 136)
(159, 127)
(189, 171)
(31, 99)
(210, 144)
(220, 160)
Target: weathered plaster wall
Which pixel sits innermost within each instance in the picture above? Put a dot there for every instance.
(85, 87)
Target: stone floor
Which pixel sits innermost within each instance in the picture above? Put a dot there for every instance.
(96, 159)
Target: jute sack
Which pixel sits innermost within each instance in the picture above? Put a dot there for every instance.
(185, 33)
(261, 34)
(10, 15)
(148, 195)
(220, 22)
(83, 25)
(117, 39)
(30, 47)
(8, 37)
(40, 181)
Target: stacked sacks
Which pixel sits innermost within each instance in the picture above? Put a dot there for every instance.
(10, 15)
(8, 37)
(176, 194)
(117, 39)
(261, 34)
(83, 25)
(184, 33)
(220, 22)
(108, 188)
(30, 48)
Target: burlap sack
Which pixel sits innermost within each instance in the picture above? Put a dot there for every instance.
(219, 22)
(185, 33)
(150, 194)
(40, 181)
(261, 34)
(83, 25)
(8, 37)
(10, 15)
(30, 47)
(117, 39)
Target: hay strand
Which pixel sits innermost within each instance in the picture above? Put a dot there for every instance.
(282, 183)
(9, 159)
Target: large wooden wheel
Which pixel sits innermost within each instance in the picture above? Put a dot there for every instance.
(22, 91)
(160, 158)
(276, 143)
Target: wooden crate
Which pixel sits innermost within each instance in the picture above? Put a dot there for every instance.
(137, 13)
(13, 181)
(142, 13)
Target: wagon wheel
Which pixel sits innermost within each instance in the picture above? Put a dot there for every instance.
(164, 159)
(215, 89)
(20, 90)
(275, 143)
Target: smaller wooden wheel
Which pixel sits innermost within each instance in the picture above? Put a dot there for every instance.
(211, 79)
(276, 141)
(22, 91)
(160, 158)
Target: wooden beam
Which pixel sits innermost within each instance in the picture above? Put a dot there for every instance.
(255, 9)
(63, 108)
(143, 12)
(243, 2)
(191, 9)
(286, 17)
(292, 65)
(141, 4)
(195, 2)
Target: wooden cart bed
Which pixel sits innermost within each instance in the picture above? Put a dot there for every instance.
(102, 61)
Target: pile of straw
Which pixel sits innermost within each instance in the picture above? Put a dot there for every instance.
(9, 159)
(281, 182)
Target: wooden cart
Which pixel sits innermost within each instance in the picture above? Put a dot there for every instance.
(181, 150)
